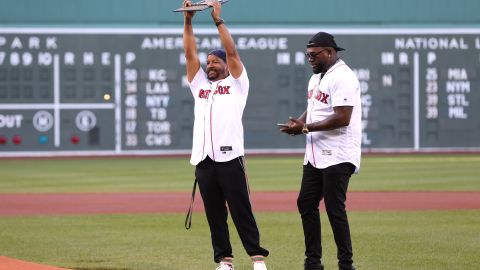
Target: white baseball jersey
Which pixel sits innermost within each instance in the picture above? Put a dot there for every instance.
(218, 128)
(338, 87)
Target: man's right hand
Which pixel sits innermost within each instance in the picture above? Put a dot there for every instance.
(188, 14)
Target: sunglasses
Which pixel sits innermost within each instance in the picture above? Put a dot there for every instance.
(312, 55)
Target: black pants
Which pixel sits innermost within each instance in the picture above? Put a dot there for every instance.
(331, 185)
(221, 183)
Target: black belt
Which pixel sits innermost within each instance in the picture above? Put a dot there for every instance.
(188, 219)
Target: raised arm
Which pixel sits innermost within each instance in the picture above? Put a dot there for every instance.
(189, 44)
(234, 62)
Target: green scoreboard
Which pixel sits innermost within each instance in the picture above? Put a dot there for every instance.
(124, 91)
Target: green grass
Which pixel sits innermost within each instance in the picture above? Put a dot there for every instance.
(423, 172)
(95, 175)
(382, 173)
(381, 240)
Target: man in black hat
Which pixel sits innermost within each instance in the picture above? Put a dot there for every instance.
(332, 126)
(220, 92)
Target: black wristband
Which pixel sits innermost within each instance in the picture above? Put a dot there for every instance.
(219, 21)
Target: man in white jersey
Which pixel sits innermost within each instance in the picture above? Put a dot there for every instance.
(332, 126)
(220, 95)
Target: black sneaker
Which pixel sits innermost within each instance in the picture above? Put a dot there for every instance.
(312, 266)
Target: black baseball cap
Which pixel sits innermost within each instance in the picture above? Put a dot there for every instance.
(323, 39)
(220, 54)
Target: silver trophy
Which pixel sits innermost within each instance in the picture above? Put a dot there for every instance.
(198, 6)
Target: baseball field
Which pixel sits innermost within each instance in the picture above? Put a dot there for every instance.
(406, 212)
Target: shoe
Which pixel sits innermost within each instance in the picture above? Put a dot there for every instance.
(225, 266)
(348, 268)
(312, 266)
(259, 266)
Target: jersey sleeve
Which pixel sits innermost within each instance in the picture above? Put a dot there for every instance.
(242, 82)
(199, 79)
(345, 89)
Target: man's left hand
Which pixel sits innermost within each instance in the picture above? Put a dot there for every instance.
(294, 127)
(217, 9)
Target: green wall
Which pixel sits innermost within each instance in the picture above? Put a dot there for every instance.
(157, 13)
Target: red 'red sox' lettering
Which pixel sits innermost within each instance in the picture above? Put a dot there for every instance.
(310, 93)
(221, 90)
(204, 93)
(324, 97)
(320, 96)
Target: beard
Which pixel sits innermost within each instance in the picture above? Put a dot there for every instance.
(212, 76)
(318, 68)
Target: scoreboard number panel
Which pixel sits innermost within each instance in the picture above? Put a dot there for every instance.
(114, 91)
